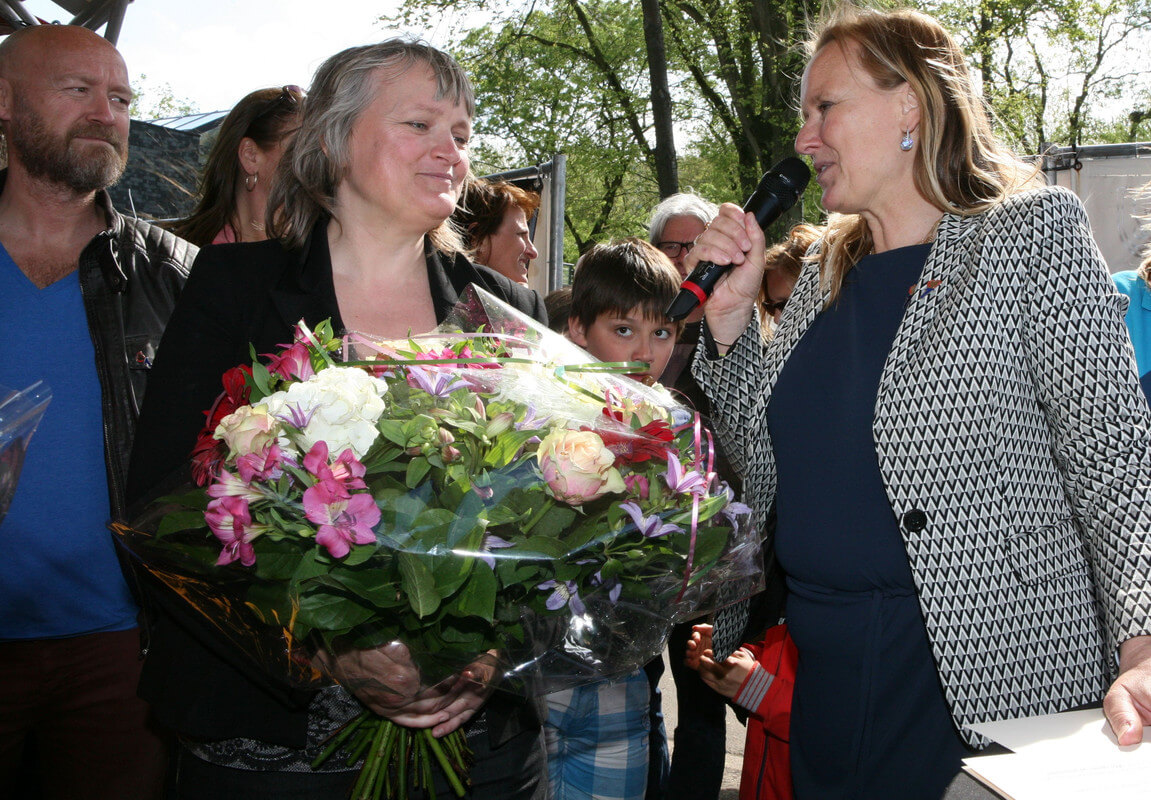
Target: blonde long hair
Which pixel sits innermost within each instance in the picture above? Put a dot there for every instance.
(961, 167)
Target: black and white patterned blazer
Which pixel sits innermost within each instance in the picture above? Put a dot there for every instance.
(1015, 448)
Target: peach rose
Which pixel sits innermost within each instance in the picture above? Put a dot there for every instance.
(249, 429)
(577, 466)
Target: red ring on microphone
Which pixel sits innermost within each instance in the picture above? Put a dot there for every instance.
(699, 293)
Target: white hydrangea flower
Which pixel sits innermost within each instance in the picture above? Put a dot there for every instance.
(339, 405)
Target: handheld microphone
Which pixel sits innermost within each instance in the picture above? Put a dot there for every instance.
(778, 190)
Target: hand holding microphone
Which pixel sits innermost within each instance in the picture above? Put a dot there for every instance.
(778, 191)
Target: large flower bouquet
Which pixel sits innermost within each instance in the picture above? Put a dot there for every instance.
(482, 489)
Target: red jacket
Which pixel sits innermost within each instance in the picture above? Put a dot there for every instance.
(766, 693)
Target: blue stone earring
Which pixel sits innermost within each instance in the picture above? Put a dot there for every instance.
(906, 142)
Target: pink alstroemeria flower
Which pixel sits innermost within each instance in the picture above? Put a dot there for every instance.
(227, 484)
(294, 363)
(231, 521)
(263, 466)
(346, 471)
(637, 485)
(343, 520)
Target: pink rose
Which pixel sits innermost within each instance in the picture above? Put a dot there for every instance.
(577, 466)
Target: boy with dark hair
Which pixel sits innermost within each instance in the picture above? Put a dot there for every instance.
(597, 734)
(619, 293)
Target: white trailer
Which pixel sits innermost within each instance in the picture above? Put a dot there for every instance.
(1114, 183)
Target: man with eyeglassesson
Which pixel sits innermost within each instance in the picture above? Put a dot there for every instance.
(697, 761)
(84, 297)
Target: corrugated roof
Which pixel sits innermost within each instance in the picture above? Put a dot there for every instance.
(190, 122)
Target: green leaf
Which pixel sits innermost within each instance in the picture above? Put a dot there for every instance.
(418, 585)
(555, 522)
(326, 611)
(546, 547)
(262, 379)
(181, 521)
(393, 431)
(378, 585)
(478, 597)
(359, 554)
(506, 446)
(709, 544)
(279, 566)
(417, 469)
(610, 569)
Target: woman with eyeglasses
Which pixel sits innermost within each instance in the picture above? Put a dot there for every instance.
(241, 165)
(947, 423)
(360, 236)
(782, 264)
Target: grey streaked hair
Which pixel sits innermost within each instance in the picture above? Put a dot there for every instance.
(684, 204)
(315, 162)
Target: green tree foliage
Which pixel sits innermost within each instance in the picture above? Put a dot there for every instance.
(574, 76)
(744, 64)
(1055, 71)
(157, 101)
(594, 113)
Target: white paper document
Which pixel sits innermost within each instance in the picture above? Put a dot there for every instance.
(1069, 755)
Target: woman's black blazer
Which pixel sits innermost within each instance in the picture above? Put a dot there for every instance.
(241, 297)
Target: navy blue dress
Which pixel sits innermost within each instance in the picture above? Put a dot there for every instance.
(869, 717)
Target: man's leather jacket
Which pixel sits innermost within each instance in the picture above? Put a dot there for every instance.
(130, 276)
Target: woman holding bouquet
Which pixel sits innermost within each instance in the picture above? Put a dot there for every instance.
(360, 206)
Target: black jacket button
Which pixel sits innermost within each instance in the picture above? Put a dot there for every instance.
(914, 521)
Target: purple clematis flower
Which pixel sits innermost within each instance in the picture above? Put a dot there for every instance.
(563, 594)
(734, 511)
(616, 588)
(681, 481)
(485, 492)
(343, 520)
(492, 542)
(652, 526)
(295, 416)
(437, 383)
(231, 521)
(530, 421)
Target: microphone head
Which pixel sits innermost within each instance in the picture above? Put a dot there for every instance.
(795, 172)
(778, 190)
